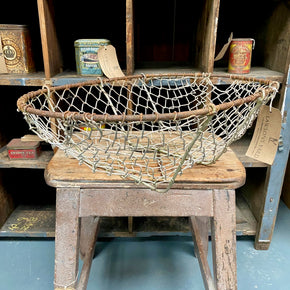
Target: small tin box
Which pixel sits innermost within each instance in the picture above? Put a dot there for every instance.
(16, 47)
(86, 52)
(240, 55)
(18, 149)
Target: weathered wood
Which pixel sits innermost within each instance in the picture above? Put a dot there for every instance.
(30, 221)
(79, 195)
(29, 79)
(89, 231)
(50, 48)
(200, 231)
(223, 231)
(277, 40)
(67, 238)
(274, 178)
(286, 186)
(41, 162)
(6, 203)
(206, 36)
(240, 148)
(129, 37)
(227, 172)
(143, 202)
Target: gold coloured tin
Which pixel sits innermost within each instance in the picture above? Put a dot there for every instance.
(240, 55)
(16, 47)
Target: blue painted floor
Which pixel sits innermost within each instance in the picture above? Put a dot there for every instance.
(149, 264)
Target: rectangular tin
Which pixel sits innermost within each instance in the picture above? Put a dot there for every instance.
(86, 53)
(18, 149)
(240, 55)
(16, 46)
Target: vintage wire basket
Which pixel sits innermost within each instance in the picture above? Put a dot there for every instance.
(147, 128)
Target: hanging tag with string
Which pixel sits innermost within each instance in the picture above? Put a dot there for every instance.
(265, 140)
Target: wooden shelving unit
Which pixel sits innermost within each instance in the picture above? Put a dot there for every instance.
(152, 37)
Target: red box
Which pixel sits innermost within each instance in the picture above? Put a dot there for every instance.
(18, 149)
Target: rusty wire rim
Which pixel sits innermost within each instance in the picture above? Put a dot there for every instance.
(23, 106)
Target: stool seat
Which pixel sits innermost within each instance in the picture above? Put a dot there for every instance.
(226, 173)
(202, 193)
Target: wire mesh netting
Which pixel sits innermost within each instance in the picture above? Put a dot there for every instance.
(147, 128)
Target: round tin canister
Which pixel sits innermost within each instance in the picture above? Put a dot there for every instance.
(86, 52)
(16, 47)
(240, 55)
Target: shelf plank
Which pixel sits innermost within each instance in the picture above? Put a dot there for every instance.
(30, 221)
(257, 72)
(39, 163)
(69, 77)
(29, 79)
(240, 147)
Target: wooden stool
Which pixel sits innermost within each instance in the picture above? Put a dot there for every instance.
(202, 193)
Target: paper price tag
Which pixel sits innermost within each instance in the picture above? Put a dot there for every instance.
(224, 49)
(265, 139)
(109, 62)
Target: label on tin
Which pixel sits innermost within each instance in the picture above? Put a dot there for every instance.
(265, 140)
(109, 62)
(240, 56)
(16, 48)
(87, 56)
(23, 154)
(3, 68)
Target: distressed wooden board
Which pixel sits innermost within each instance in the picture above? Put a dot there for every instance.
(240, 147)
(40, 222)
(206, 35)
(277, 53)
(257, 72)
(29, 221)
(50, 46)
(63, 171)
(30, 79)
(69, 77)
(40, 162)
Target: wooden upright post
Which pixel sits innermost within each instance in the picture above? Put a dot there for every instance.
(129, 37)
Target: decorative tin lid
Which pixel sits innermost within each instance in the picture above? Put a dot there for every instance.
(91, 42)
(12, 26)
(18, 144)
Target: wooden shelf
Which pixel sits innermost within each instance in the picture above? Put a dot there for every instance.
(240, 147)
(30, 79)
(70, 77)
(257, 72)
(39, 163)
(32, 221)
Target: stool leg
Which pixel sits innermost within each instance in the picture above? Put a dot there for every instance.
(224, 239)
(67, 231)
(200, 227)
(89, 233)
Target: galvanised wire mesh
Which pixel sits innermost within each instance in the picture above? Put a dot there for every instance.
(147, 128)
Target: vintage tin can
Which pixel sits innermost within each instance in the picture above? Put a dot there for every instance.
(240, 55)
(16, 46)
(86, 52)
(18, 149)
